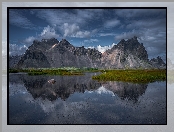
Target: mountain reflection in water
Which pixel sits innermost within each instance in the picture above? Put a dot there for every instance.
(125, 90)
(64, 86)
(81, 100)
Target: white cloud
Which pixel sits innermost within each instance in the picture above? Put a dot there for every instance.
(91, 40)
(91, 47)
(103, 90)
(106, 34)
(102, 49)
(48, 32)
(29, 40)
(112, 23)
(82, 34)
(15, 49)
(70, 29)
(74, 31)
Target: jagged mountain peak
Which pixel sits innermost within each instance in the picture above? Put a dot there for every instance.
(157, 59)
(157, 62)
(130, 46)
(47, 41)
(64, 42)
(130, 43)
(52, 39)
(127, 53)
(135, 37)
(43, 44)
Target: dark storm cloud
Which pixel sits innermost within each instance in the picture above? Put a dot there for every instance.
(141, 13)
(19, 19)
(74, 16)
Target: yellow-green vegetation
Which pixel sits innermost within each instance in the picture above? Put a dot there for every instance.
(48, 71)
(87, 69)
(135, 76)
(55, 71)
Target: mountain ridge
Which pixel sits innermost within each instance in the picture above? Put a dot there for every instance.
(53, 53)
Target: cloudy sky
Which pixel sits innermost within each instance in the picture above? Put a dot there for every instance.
(94, 28)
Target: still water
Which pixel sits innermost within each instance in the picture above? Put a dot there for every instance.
(81, 100)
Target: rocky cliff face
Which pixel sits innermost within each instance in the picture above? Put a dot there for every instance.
(13, 61)
(63, 54)
(126, 54)
(34, 58)
(54, 53)
(158, 63)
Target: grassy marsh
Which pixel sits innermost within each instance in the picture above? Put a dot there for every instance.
(54, 71)
(135, 76)
(47, 71)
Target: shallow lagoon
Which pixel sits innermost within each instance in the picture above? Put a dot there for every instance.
(81, 100)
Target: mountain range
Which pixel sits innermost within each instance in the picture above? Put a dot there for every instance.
(49, 53)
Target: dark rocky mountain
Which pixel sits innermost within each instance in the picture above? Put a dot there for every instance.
(64, 54)
(126, 54)
(13, 60)
(158, 63)
(54, 53)
(59, 54)
(34, 58)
